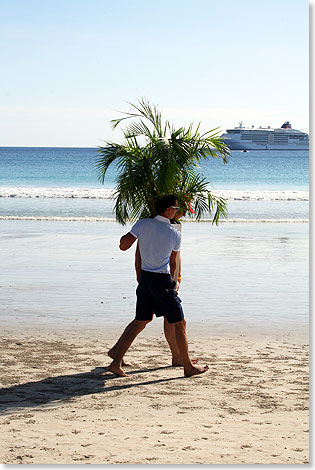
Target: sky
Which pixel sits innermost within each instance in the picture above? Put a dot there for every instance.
(70, 66)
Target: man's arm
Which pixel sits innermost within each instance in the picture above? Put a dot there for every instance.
(173, 262)
(179, 278)
(138, 262)
(126, 241)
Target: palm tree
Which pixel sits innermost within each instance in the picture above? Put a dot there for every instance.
(155, 160)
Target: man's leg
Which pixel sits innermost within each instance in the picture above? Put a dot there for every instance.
(123, 344)
(169, 331)
(182, 344)
(112, 352)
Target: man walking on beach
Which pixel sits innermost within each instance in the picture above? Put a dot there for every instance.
(159, 243)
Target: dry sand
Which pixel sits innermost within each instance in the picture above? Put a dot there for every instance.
(60, 405)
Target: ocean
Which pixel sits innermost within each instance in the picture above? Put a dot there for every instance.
(62, 184)
(249, 273)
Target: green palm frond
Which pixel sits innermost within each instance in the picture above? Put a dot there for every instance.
(194, 189)
(137, 129)
(220, 206)
(143, 110)
(166, 163)
(108, 155)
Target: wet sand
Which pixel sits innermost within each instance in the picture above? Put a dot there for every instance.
(67, 295)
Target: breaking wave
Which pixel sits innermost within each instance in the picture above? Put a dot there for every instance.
(104, 193)
(112, 219)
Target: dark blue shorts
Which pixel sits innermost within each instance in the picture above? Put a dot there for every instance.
(156, 295)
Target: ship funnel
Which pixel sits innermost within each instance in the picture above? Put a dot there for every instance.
(286, 125)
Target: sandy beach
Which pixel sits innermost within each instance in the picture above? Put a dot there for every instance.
(67, 295)
(60, 405)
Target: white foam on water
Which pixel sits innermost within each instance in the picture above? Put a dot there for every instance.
(57, 218)
(112, 219)
(263, 195)
(56, 193)
(105, 193)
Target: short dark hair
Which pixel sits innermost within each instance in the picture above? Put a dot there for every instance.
(164, 202)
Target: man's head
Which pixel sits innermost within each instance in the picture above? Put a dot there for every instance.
(167, 206)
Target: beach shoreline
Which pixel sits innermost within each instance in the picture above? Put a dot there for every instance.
(235, 274)
(67, 294)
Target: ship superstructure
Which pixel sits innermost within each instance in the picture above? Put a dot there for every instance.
(266, 138)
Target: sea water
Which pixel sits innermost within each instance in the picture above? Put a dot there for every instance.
(238, 275)
(236, 278)
(62, 183)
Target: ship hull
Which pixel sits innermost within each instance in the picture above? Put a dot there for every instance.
(237, 145)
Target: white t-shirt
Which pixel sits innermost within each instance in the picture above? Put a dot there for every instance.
(157, 239)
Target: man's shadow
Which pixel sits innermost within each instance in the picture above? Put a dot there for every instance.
(63, 388)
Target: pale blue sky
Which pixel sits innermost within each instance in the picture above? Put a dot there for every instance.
(68, 65)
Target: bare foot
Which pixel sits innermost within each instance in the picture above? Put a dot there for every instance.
(117, 370)
(111, 354)
(195, 371)
(178, 362)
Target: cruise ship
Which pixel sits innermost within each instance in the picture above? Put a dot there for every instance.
(265, 138)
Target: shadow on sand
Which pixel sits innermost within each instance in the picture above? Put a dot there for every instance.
(64, 387)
